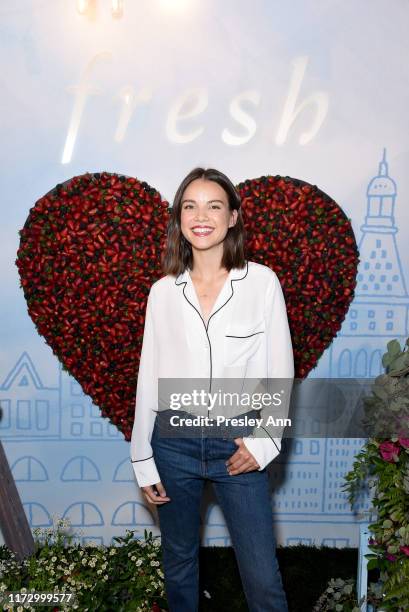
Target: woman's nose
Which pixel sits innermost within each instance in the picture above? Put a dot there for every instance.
(201, 216)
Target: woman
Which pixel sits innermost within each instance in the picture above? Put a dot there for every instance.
(213, 315)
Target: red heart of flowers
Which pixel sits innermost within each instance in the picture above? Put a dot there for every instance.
(90, 250)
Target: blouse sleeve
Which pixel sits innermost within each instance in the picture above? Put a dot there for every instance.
(264, 443)
(146, 405)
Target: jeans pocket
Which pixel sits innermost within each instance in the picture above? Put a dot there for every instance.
(230, 445)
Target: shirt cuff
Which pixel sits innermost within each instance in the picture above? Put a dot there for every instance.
(146, 472)
(264, 450)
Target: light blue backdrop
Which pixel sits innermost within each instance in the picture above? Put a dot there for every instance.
(314, 90)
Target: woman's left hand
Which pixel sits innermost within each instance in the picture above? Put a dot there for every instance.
(242, 460)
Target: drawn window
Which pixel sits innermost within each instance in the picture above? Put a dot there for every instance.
(361, 363)
(84, 514)
(130, 514)
(345, 363)
(5, 421)
(123, 472)
(29, 469)
(42, 414)
(37, 515)
(23, 414)
(80, 469)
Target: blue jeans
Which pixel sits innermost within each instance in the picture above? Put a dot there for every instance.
(184, 464)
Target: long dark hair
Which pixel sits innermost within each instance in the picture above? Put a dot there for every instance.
(177, 255)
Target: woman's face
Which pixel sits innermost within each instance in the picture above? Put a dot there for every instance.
(205, 216)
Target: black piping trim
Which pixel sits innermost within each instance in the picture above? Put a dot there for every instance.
(136, 460)
(249, 336)
(270, 437)
(207, 326)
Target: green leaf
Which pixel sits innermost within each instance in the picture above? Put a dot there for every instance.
(372, 564)
(398, 363)
(393, 347)
(386, 359)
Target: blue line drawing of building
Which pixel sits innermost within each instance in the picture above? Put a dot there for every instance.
(379, 311)
(69, 461)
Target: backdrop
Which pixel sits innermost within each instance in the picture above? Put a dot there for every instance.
(316, 90)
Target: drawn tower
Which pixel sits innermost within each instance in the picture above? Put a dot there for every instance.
(379, 311)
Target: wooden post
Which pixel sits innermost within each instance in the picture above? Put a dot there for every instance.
(13, 521)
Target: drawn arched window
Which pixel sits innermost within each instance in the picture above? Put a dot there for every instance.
(29, 469)
(375, 363)
(37, 515)
(79, 469)
(214, 516)
(84, 514)
(361, 363)
(387, 203)
(132, 513)
(344, 364)
(123, 472)
(374, 206)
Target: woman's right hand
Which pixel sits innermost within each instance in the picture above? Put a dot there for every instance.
(155, 494)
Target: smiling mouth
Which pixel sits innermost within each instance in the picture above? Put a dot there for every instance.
(202, 232)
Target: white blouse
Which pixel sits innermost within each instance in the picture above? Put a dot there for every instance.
(246, 335)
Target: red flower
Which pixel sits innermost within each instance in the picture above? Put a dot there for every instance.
(404, 442)
(405, 549)
(389, 451)
(390, 557)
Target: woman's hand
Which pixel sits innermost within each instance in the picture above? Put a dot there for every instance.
(242, 460)
(153, 494)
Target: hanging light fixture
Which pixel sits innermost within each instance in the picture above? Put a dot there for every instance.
(117, 8)
(82, 6)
